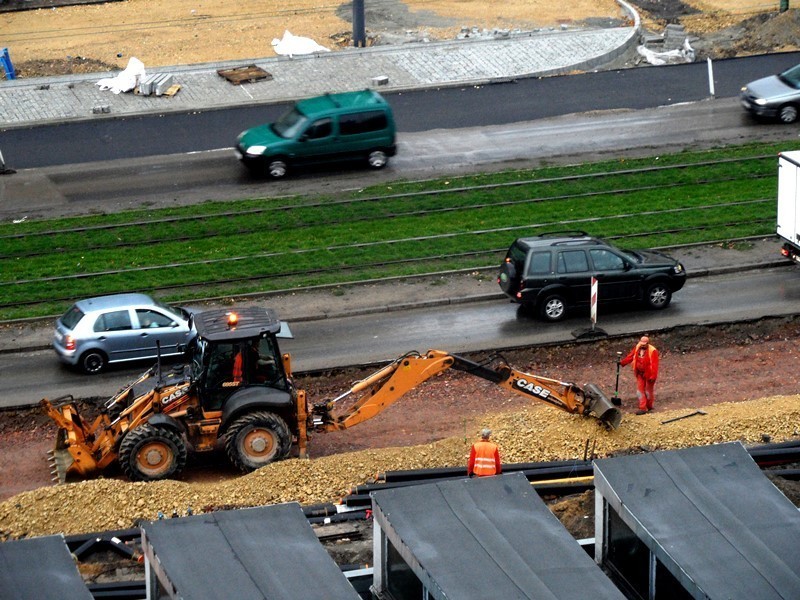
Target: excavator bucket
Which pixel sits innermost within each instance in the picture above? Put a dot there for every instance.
(598, 404)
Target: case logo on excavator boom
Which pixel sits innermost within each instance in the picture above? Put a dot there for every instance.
(536, 390)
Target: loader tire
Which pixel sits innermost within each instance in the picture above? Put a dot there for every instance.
(149, 453)
(257, 439)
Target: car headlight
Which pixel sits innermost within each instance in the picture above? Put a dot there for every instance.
(760, 101)
(678, 269)
(256, 150)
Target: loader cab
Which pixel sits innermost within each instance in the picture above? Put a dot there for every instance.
(236, 350)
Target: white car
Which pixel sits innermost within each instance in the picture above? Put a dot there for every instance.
(774, 97)
(118, 328)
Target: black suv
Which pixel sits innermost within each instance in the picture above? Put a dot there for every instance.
(553, 272)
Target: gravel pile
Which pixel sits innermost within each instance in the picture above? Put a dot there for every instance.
(535, 434)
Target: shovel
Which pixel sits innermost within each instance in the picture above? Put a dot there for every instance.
(697, 412)
(615, 399)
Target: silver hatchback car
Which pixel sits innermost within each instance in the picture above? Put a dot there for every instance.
(119, 328)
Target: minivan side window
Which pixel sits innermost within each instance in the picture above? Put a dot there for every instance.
(118, 320)
(572, 261)
(320, 128)
(373, 120)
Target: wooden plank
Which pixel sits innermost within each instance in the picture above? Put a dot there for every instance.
(172, 90)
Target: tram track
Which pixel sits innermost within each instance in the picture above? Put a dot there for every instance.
(269, 245)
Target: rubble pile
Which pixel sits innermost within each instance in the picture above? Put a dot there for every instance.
(537, 433)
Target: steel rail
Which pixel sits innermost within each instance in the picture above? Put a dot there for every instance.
(367, 267)
(374, 216)
(397, 196)
(425, 238)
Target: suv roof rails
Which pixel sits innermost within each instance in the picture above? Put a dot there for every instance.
(569, 233)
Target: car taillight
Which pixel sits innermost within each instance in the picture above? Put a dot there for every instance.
(69, 342)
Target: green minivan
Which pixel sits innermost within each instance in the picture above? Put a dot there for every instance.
(334, 127)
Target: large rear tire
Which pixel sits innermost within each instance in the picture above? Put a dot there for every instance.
(149, 453)
(257, 439)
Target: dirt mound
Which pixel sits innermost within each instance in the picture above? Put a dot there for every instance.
(759, 34)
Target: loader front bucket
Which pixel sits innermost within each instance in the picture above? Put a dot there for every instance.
(598, 404)
(73, 450)
(59, 459)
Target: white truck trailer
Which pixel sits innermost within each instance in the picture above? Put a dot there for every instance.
(789, 203)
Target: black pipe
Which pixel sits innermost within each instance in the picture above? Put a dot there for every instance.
(352, 515)
(416, 474)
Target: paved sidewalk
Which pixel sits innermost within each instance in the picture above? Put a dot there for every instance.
(418, 65)
(407, 293)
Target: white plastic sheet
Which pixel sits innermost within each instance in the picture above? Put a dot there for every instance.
(290, 45)
(127, 80)
(685, 54)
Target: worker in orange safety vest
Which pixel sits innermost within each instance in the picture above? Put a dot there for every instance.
(484, 457)
(644, 357)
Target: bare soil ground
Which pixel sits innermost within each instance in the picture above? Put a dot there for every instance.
(700, 366)
(81, 36)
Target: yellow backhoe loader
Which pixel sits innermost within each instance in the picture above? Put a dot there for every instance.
(238, 390)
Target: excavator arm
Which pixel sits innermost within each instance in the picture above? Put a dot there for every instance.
(387, 385)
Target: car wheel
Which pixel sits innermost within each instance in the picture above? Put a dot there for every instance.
(377, 159)
(277, 168)
(93, 361)
(658, 296)
(553, 308)
(788, 114)
(149, 453)
(257, 439)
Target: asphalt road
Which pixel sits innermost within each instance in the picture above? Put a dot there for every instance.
(447, 108)
(492, 325)
(186, 178)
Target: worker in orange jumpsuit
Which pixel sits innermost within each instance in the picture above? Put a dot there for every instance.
(484, 457)
(644, 357)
